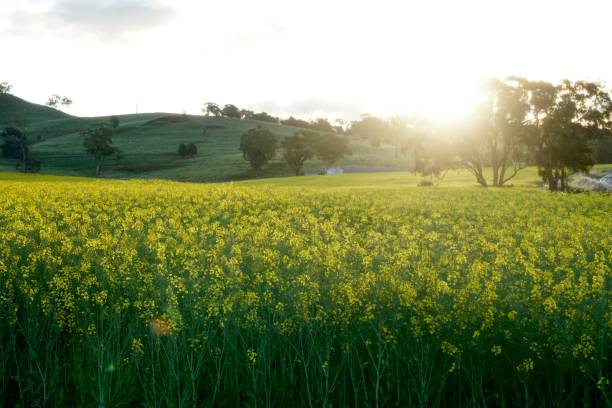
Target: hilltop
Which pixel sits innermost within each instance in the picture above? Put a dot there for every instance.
(149, 142)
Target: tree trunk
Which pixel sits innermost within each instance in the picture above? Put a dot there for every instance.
(98, 167)
(495, 175)
(553, 179)
(502, 174)
(481, 180)
(480, 176)
(24, 157)
(563, 180)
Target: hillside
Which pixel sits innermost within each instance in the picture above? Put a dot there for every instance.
(14, 110)
(150, 141)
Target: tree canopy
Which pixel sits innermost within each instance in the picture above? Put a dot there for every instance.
(258, 147)
(97, 142)
(331, 148)
(56, 101)
(299, 148)
(5, 88)
(15, 145)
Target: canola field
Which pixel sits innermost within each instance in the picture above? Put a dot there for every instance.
(161, 294)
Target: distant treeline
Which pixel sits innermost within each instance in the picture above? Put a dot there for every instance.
(232, 111)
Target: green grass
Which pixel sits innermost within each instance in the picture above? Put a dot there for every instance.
(457, 178)
(526, 179)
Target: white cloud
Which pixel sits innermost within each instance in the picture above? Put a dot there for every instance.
(103, 19)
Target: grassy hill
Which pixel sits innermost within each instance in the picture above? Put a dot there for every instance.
(150, 141)
(14, 110)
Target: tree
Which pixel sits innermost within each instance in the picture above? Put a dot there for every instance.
(410, 136)
(258, 146)
(371, 128)
(5, 88)
(182, 150)
(246, 114)
(339, 125)
(563, 121)
(211, 109)
(437, 157)
(16, 146)
(55, 101)
(331, 148)
(114, 121)
(495, 136)
(264, 117)
(322, 125)
(192, 149)
(98, 142)
(299, 148)
(291, 121)
(231, 111)
(399, 134)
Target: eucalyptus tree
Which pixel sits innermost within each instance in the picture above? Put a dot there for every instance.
(563, 121)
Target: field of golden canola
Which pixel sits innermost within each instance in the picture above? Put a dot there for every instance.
(163, 294)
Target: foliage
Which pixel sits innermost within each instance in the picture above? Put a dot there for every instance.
(5, 88)
(182, 150)
(140, 293)
(15, 143)
(321, 125)
(258, 146)
(114, 122)
(246, 114)
(371, 128)
(299, 148)
(563, 120)
(192, 149)
(436, 157)
(56, 100)
(211, 109)
(331, 148)
(291, 121)
(264, 117)
(496, 135)
(231, 111)
(97, 142)
(17, 146)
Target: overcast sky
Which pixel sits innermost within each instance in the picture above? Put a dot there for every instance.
(309, 58)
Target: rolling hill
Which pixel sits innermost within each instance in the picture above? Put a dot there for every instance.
(17, 110)
(149, 142)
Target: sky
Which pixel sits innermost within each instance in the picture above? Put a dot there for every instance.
(330, 58)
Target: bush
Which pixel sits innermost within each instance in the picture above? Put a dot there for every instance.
(192, 150)
(182, 150)
(425, 183)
